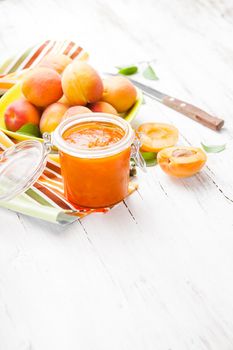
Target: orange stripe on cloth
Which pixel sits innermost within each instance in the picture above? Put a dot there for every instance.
(55, 49)
(76, 52)
(53, 196)
(6, 85)
(37, 53)
(43, 53)
(54, 187)
(21, 63)
(57, 195)
(53, 167)
(52, 183)
(69, 47)
(52, 175)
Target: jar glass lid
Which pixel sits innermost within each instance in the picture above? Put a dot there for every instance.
(20, 167)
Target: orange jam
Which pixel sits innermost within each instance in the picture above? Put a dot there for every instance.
(95, 181)
(93, 134)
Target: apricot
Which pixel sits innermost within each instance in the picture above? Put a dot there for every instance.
(75, 110)
(119, 92)
(56, 62)
(103, 107)
(21, 112)
(52, 117)
(156, 136)
(42, 86)
(64, 101)
(181, 161)
(81, 84)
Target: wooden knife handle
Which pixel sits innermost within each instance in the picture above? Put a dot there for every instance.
(194, 113)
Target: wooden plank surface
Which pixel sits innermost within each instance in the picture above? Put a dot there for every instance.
(155, 272)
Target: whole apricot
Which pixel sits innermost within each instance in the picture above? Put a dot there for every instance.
(64, 100)
(42, 86)
(156, 136)
(119, 92)
(52, 117)
(75, 110)
(103, 107)
(81, 83)
(56, 62)
(19, 113)
(181, 161)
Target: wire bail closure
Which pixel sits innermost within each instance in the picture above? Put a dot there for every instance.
(47, 137)
(136, 155)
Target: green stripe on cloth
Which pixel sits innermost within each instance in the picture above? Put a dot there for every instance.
(5, 65)
(25, 205)
(39, 199)
(20, 60)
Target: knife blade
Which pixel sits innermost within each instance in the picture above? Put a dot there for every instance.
(187, 109)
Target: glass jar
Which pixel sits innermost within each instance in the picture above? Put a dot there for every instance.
(93, 177)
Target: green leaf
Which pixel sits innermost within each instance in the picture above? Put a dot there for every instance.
(30, 129)
(150, 158)
(149, 73)
(213, 148)
(130, 70)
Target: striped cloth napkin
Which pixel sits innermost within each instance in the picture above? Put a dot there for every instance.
(45, 199)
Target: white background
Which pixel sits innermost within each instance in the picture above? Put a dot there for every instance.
(156, 271)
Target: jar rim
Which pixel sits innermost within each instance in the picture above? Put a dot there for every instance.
(100, 152)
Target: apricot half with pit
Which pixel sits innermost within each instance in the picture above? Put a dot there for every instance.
(156, 136)
(181, 161)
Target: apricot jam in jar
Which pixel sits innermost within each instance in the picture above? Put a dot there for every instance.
(95, 152)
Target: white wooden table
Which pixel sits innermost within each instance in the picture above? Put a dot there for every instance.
(156, 272)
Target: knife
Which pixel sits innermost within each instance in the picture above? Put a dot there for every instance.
(182, 107)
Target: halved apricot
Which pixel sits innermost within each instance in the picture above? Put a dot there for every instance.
(181, 161)
(156, 136)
